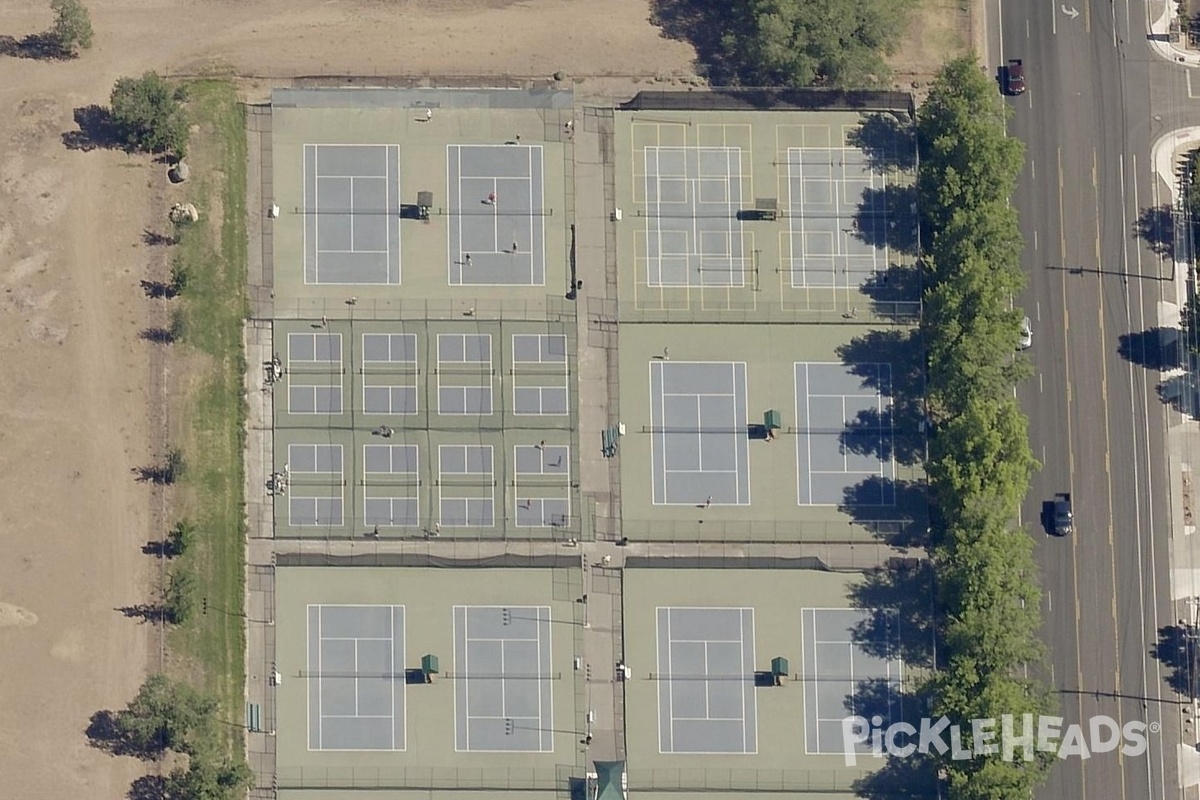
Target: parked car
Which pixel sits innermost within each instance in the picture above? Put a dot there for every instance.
(1026, 340)
(1014, 77)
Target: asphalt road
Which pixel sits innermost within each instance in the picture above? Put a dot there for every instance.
(1097, 97)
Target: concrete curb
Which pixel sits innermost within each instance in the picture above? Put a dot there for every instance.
(1161, 27)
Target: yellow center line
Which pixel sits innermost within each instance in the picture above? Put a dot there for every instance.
(1109, 479)
(1062, 227)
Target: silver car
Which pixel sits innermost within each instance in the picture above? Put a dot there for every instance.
(1026, 340)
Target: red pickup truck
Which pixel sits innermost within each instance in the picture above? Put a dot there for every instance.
(1014, 77)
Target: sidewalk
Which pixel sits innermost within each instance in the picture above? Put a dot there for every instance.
(1160, 27)
(1183, 443)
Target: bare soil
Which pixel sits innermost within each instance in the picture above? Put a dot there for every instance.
(938, 31)
(82, 400)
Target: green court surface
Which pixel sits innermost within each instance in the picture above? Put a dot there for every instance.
(354, 709)
(675, 696)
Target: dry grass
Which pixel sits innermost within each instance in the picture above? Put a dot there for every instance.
(939, 31)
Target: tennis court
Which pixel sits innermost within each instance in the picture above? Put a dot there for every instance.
(497, 218)
(502, 681)
(700, 442)
(845, 435)
(706, 700)
(838, 217)
(356, 677)
(351, 214)
(693, 236)
(835, 668)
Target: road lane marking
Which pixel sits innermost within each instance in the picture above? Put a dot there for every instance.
(1144, 397)
(1041, 390)
(1038, 304)
(1035, 241)
(1033, 169)
(1108, 477)
(1062, 225)
(1071, 460)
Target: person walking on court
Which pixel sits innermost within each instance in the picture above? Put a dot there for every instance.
(491, 199)
(467, 259)
(514, 248)
(428, 114)
(666, 354)
(708, 502)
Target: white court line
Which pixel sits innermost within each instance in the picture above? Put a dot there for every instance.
(540, 677)
(392, 670)
(356, 677)
(699, 394)
(529, 169)
(320, 680)
(742, 690)
(670, 684)
(362, 716)
(503, 684)
(466, 683)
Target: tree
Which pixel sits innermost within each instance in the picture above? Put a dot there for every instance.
(180, 538)
(180, 600)
(205, 780)
(804, 42)
(165, 715)
(149, 116)
(72, 26)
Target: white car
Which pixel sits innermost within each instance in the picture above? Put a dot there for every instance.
(1026, 341)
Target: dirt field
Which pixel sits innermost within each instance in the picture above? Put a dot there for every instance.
(76, 407)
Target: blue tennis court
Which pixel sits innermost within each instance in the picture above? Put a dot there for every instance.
(699, 445)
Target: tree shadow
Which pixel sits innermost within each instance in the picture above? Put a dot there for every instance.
(898, 348)
(887, 217)
(104, 733)
(161, 549)
(156, 548)
(1177, 647)
(888, 142)
(96, 130)
(43, 46)
(700, 23)
(894, 434)
(156, 239)
(873, 698)
(900, 601)
(1180, 392)
(148, 787)
(159, 290)
(911, 778)
(165, 472)
(896, 511)
(898, 282)
(158, 335)
(146, 612)
(1157, 348)
(1156, 225)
